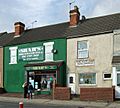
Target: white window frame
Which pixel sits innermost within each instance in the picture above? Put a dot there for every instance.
(13, 55)
(88, 84)
(82, 50)
(107, 78)
(48, 45)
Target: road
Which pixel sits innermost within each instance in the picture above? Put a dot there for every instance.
(27, 105)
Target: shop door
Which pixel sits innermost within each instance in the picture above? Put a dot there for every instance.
(71, 82)
(117, 88)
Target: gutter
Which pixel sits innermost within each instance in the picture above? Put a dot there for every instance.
(90, 34)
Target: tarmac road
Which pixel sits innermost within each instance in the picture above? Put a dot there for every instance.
(13, 102)
(29, 105)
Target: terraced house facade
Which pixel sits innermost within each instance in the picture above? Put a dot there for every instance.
(35, 56)
(92, 46)
(82, 54)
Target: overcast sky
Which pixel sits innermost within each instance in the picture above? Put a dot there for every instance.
(47, 12)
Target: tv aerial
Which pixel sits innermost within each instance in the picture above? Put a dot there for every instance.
(32, 24)
(71, 4)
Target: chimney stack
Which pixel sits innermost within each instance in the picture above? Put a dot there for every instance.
(74, 16)
(19, 28)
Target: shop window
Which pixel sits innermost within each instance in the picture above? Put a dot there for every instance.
(42, 82)
(48, 51)
(70, 79)
(118, 79)
(87, 78)
(117, 68)
(107, 76)
(82, 49)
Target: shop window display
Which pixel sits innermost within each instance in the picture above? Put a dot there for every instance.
(87, 78)
(42, 82)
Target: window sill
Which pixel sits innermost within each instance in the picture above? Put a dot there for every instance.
(87, 85)
(106, 79)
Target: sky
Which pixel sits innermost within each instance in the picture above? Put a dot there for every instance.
(37, 13)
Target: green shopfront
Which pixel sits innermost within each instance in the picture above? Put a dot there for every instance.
(38, 62)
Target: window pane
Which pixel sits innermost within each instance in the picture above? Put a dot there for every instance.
(82, 49)
(82, 45)
(87, 78)
(118, 79)
(48, 52)
(48, 49)
(49, 56)
(70, 79)
(83, 54)
(107, 75)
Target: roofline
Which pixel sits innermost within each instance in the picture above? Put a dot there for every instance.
(59, 23)
(86, 35)
(47, 25)
(67, 37)
(103, 16)
(3, 33)
(36, 41)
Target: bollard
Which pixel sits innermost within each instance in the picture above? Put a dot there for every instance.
(20, 104)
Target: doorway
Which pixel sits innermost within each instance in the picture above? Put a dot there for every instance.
(71, 82)
(42, 81)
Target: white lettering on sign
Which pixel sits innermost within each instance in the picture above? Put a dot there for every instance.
(33, 53)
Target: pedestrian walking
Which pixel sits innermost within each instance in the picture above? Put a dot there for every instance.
(25, 86)
(30, 91)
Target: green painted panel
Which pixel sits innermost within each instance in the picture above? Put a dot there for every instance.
(14, 74)
(31, 53)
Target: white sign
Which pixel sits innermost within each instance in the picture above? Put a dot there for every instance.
(85, 62)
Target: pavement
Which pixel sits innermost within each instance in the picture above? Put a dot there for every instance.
(73, 102)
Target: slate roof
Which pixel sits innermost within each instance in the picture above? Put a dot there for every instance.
(5, 38)
(41, 33)
(97, 25)
(87, 27)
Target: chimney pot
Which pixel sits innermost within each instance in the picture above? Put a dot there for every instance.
(75, 7)
(74, 16)
(19, 28)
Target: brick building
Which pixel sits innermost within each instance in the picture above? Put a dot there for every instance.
(92, 52)
(82, 54)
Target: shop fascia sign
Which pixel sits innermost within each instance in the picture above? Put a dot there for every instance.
(41, 68)
(85, 62)
(31, 53)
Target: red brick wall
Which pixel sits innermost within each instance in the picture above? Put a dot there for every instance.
(19, 28)
(105, 94)
(62, 93)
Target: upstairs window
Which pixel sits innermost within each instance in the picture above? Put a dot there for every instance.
(13, 55)
(82, 49)
(48, 51)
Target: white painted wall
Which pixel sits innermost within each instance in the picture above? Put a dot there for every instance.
(101, 50)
